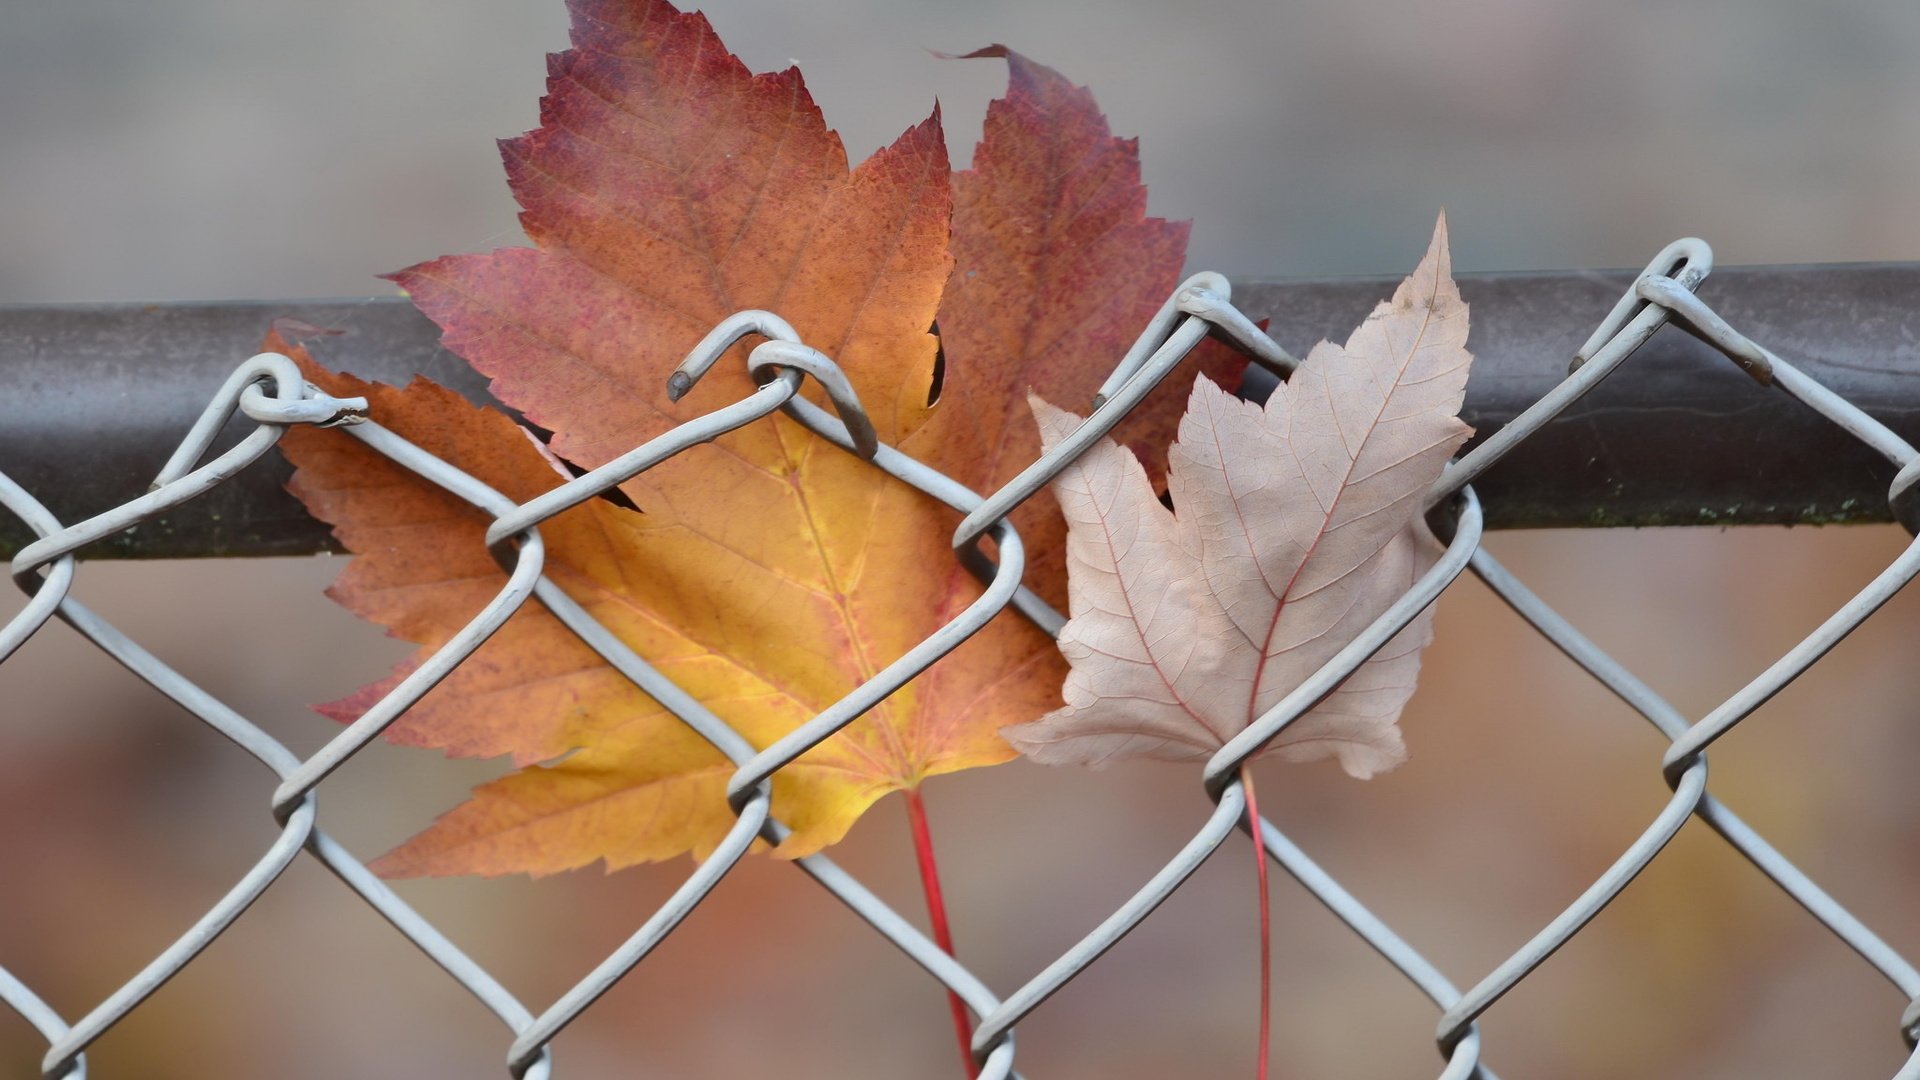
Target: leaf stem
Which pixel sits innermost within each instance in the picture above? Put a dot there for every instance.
(1266, 925)
(937, 916)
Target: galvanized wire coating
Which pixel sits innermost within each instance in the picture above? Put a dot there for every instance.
(268, 390)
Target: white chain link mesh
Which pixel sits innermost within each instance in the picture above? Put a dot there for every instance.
(268, 389)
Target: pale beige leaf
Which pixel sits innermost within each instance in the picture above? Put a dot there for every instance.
(1297, 524)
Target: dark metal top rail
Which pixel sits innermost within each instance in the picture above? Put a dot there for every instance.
(91, 396)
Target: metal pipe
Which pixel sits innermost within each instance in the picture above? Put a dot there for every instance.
(94, 397)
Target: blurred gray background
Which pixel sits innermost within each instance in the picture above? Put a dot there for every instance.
(258, 148)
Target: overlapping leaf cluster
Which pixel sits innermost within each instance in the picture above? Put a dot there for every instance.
(768, 573)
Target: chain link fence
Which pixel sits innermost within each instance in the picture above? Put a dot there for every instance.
(269, 391)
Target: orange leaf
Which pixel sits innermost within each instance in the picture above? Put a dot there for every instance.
(769, 573)
(534, 688)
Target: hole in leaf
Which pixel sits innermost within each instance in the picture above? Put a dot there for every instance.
(939, 365)
(613, 494)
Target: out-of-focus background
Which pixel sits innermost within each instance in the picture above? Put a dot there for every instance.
(269, 148)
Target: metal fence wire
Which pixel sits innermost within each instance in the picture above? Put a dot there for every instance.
(268, 390)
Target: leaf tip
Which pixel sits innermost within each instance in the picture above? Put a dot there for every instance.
(1366, 760)
(393, 866)
(985, 52)
(1054, 422)
(1431, 285)
(1439, 249)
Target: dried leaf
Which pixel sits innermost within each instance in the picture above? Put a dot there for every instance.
(769, 573)
(1295, 525)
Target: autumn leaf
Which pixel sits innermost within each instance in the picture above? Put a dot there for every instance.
(1294, 526)
(1056, 270)
(423, 562)
(769, 573)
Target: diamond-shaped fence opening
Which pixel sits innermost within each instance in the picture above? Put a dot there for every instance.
(269, 392)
